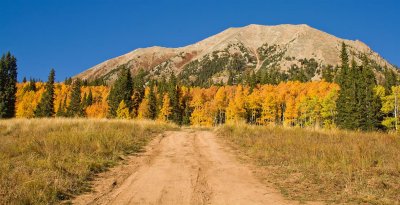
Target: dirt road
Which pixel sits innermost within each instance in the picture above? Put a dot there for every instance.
(182, 167)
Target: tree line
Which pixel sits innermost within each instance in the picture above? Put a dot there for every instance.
(354, 100)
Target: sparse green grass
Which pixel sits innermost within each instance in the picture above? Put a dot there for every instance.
(43, 161)
(331, 166)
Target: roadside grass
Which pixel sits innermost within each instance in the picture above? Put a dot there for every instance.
(44, 161)
(315, 165)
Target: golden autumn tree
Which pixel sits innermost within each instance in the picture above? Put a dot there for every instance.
(123, 111)
(27, 100)
(99, 105)
(254, 105)
(220, 102)
(143, 111)
(269, 109)
(166, 109)
(201, 115)
(328, 108)
(235, 112)
(27, 105)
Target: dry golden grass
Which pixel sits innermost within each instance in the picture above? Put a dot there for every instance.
(43, 161)
(331, 166)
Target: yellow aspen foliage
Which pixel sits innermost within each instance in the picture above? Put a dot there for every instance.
(143, 110)
(201, 116)
(144, 106)
(254, 104)
(27, 101)
(27, 105)
(97, 110)
(269, 110)
(123, 111)
(290, 113)
(235, 112)
(220, 103)
(288, 103)
(328, 108)
(166, 109)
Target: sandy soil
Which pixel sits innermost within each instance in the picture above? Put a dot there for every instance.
(181, 167)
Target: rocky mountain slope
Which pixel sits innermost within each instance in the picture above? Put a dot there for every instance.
(236, 51)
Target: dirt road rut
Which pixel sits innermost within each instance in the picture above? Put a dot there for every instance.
(182, 167)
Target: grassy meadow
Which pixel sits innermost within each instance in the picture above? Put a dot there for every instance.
(331, 166)
(44, 161)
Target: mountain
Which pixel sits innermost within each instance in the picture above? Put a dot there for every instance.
(237, 51)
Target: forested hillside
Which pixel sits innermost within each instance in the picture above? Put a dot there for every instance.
(349, 99)
(267, 54)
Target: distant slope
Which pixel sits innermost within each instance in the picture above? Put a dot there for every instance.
(238, 50)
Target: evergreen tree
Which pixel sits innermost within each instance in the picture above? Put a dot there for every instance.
(138, 90)
(31, 86)
(24, 80)
(75, 108)
(89, 100)
(8, 85)
(230, 78)
(173, 92)
(152, 102)
(369, 103)
(121, 91)
(328, 74)
(344, 112)
(84, 101)
(68, 81)
(187, 112)
(45, 107)
(252, 80)
(61, 108)
(358, 106)
(390, 79)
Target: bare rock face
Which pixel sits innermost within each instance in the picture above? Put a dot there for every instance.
(253, 47)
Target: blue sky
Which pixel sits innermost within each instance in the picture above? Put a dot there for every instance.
(74, 35)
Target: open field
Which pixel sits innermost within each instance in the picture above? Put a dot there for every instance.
(331, 166)
(43, 161)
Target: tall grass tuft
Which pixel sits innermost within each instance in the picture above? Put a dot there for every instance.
(332, 166)
(44, 161)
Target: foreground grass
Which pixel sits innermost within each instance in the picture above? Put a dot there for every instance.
(331, 166)
(43, 161)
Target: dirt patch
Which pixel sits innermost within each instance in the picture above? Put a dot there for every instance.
(182, 167)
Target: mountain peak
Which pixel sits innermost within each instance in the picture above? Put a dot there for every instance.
(255, 47)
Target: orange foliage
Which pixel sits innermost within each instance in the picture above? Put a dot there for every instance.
(289, 103)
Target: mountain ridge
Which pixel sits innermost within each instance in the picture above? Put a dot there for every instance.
(258, 47)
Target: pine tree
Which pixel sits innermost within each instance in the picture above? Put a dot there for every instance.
(75, 108)
(8, 85)
(152, 102)
(138, 90)
(31, 86)
(84, 101)
(24, 80)
(173, 93)
(358, 106)
(369, 103)
(61, 109)
(89, 100)
(121, 90)
(391, 79)
(45, 107)
(345, 104)
(230, 78)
